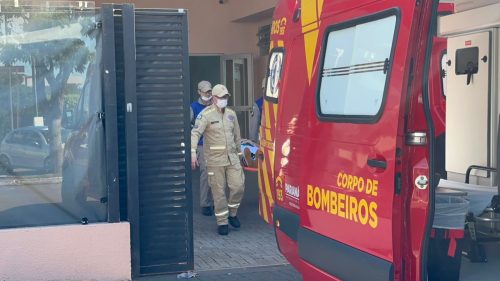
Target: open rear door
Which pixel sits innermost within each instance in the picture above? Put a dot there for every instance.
(355, 185)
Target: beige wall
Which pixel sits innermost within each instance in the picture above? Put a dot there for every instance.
(71, 252)
(221, 29)
(229, 28)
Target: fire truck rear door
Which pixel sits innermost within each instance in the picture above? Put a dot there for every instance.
(349, 225)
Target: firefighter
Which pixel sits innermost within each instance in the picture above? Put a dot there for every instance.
(204, 100)
(255, 115)
(221, 146)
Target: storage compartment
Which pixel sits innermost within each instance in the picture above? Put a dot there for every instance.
(470, 108)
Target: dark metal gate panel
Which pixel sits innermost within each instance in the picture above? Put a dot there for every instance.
(163, 141)
(110, 109)
(120, 104)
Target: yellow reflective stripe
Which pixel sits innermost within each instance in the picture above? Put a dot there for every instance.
(222, 214)
(266, 111)
(233, 205)
(222, 147)
(211, 173)
(266, 144)
(310, 43)
(262, 200)
(268, 136)
(267, 184)
(275, 111)
(270, 153)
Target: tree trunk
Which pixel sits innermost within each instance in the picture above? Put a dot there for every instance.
(54, 123)
(56, 106)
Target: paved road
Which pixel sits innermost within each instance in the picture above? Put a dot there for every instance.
(35, 200)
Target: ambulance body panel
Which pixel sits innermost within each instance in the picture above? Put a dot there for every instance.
(336, 167)
(361, 136)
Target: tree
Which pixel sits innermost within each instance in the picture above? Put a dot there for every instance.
(59, 53)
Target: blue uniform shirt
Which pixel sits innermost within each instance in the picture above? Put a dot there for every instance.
(259, 102)
(197, 107)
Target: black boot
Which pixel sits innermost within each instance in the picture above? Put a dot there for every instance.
(207, 211)
(223, 229)
(234, 221)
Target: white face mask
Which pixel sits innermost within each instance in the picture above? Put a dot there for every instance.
(221, 103)
(206, 98)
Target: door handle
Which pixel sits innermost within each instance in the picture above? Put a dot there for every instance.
(375, 163)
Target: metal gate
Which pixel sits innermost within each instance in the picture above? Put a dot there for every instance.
(153, 110)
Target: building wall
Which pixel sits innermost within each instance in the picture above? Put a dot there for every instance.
(71, 252)
(214, 28)
(221, 29)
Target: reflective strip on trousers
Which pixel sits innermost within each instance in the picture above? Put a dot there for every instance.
(221, 214)
(233, 205)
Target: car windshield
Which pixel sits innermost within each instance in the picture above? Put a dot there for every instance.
(46, 135)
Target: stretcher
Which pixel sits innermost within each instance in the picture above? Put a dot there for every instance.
(483, 219)
(250, 150)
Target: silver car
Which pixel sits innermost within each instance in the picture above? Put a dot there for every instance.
(27, 147)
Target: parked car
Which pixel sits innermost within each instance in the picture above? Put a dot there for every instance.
(28, 147)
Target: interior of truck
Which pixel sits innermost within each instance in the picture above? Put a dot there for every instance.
(468, 186)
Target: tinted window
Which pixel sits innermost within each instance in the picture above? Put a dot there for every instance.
(36, 137)
(13, 138)
(355, 69)
(467, 61)
(46, 135)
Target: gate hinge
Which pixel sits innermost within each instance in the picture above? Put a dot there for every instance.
(100, 115)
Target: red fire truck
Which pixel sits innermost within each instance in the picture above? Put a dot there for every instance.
(359, 173)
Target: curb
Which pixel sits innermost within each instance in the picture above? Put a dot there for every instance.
(29, 180)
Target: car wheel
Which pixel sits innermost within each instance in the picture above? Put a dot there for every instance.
(5, 165)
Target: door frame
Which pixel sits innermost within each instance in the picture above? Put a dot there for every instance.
(250, 77)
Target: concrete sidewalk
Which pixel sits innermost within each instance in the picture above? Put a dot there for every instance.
(249, 253)
(278, 272)
(253, 245)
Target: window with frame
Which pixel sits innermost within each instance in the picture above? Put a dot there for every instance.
(355, 69)
(274, 75)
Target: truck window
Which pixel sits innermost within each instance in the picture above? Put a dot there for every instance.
(354, 71)
(274, 75)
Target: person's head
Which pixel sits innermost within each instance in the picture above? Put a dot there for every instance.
(220, 96)
(205, 91)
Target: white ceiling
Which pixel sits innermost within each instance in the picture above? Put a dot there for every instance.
(463, 5)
